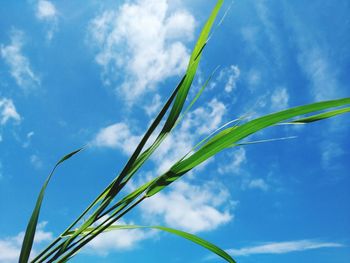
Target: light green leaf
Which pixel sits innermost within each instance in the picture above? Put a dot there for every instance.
(195, 239)
(233, 135)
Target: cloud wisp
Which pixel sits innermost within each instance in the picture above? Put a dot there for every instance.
(46, 11)
(8, 111)
(283, 247)
(19, 64)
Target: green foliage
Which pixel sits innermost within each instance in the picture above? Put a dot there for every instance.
(31, 228)
(107, 209)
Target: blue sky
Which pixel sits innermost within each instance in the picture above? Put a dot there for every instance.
(96, 72)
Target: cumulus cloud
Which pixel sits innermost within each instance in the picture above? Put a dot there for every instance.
(197, 123)
(190, 207)
(282, 247)
(117, 135)
(142, 44)
(47, 12)
(10, 247)
(117, 240)
(205, 120)
(186, 206)
(200, 208)
(8, 111)
(19, 64)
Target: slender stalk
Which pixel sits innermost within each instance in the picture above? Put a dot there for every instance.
(99, 231)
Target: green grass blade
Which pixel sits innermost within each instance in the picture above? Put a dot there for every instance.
(265, 140)
(136, 160)
(321, 116)
(195, 239)
(192, 66)
(199, 93)
(229, 137)
(176, 109)
(31, 227)
(251, 127)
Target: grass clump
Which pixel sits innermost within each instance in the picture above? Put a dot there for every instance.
(108, 207)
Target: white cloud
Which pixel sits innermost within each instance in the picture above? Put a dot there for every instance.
(9, 251)
(282, 247)
(117, 240)
(19, 64)
(46, 11)
(199, 122)
(189, 207)
(142, 44)
(258, 184)
(195, 208)
(194, 127)
(8, 111)
(205, 120)
(154, 106)
(239, 158)
(117, 135)
(230, 76)
(279, 99)
(10, 247)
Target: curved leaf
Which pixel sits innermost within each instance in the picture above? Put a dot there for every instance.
(31, 228)
(195, 239)
(321, 116)
(228, 137)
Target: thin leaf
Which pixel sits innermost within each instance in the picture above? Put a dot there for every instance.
(135, 160)
(31, 228)
(322, 116)
(181, 96)
(251, 127)
(229, 137)
(195, 239)
(265, 140)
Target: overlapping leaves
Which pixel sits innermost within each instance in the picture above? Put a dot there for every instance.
(105, 210)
